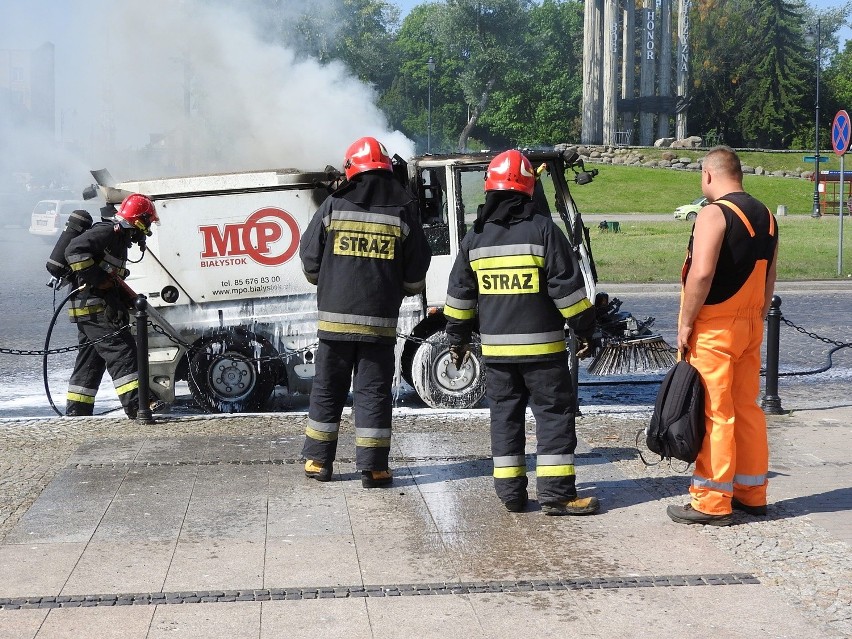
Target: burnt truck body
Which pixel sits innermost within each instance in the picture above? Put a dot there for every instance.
(223, 270)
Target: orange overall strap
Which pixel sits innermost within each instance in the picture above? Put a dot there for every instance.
(740, 214)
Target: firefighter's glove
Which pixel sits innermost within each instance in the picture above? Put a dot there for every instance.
(459, 355)
(583, 325)
(584, 346)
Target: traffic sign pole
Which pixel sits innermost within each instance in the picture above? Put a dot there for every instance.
(840, 224)
(841, 136)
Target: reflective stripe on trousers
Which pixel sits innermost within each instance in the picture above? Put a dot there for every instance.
(725, 348)
(368, 368)
(546, 388)
(116, 353)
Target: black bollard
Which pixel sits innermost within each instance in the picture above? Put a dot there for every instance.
(771, 403)
(144, 414)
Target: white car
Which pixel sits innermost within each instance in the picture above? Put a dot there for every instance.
(49, 216)
(690, 211)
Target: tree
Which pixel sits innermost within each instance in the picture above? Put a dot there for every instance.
(836, 81)
(358, 33)
(762, 94)
(487, 37)
(540, 100)
(718, 67)
(405, 103)
(774, 95)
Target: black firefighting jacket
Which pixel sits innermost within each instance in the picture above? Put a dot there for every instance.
(365, 250)
(517, 268)
(94, 257)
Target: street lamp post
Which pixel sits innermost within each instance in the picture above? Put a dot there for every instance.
(430, 65)
(816, 211)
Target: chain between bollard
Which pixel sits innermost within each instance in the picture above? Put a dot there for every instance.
(62, 349)
(824, 340)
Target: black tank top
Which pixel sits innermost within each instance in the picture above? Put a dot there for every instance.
(740, 248)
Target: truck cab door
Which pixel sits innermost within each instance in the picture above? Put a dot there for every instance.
(435, 193)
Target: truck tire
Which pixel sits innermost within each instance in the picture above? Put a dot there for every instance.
(438, 382)
(224, 376)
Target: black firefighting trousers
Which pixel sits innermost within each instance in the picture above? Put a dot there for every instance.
(373, 367)
(117, 354)
(546, 387)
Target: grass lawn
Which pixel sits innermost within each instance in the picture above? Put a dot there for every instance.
(654, 251)
(635, 189)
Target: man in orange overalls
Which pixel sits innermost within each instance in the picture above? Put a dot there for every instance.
(728, 281)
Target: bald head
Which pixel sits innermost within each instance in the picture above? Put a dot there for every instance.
(722, 172)
(724, 162)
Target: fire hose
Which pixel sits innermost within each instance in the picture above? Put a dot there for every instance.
(58, 310)
(128, 295)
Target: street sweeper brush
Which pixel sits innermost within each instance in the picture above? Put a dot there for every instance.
(633, 355)
(625, 345)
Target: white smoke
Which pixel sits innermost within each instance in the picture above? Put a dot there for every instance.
(164, 86)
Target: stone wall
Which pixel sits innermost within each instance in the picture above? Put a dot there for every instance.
(678, 159)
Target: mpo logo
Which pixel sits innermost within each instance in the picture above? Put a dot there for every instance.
(269, 236)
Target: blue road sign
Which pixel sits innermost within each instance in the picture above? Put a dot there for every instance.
(841, 133)
(811, 158)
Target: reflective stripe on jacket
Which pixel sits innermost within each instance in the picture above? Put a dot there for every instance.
(365, 250)
(94, 256)
(524, 279)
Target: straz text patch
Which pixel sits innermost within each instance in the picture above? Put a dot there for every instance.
(508, 281)
(364, 245)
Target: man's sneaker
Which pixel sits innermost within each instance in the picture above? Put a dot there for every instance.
(688, 515)
(516, 504)
(757, 511)
(315, 470)
(376, 478)
(575, 506)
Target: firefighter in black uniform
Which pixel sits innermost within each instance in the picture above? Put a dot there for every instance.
(96, 257)
(517, 268)
(365, 250)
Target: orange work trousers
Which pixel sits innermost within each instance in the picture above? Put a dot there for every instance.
(725, 348)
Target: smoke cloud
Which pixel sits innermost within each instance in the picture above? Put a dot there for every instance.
(157, 87)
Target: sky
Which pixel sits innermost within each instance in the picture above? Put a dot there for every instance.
(119, 67)
(119, 70)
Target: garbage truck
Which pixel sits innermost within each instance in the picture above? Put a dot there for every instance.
(222, 270)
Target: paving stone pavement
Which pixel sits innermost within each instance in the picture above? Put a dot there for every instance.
(107, 525)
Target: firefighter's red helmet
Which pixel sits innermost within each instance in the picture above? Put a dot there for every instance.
(137, 211)
(510, 171)
(366, 154)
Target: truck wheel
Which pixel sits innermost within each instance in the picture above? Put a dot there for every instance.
(224, 376)
(439, 383)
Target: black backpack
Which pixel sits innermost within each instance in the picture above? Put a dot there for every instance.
(676, 430)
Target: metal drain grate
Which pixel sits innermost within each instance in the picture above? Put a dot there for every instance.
(397, 590)
(286, 461)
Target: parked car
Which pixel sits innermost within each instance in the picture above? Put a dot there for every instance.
(690, 211)
(49, 216)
